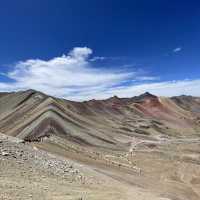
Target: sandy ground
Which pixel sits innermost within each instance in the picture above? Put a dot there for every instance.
(22, 183)
(20, 179)
(169, 171)
(164, 175)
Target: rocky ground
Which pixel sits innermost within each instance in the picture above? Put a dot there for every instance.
(167, 171)
(29, 173)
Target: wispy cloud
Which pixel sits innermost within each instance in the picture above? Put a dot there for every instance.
(74, 77)
(147, 78)
(167, 88)
(97, 58)
(176, 50)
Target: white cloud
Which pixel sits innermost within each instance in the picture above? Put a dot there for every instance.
(177, 49)
(63, 76)
(72, 76)
(80, 52)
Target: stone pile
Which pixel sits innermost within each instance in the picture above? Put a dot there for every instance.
(12, 148)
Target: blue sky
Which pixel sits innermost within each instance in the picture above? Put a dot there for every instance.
(99, 48)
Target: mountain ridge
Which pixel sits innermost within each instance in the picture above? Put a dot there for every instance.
(80, 115)
(135, 141)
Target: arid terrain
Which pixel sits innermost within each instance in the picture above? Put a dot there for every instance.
(142, 148)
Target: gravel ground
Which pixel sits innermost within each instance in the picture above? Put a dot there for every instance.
(29, 173)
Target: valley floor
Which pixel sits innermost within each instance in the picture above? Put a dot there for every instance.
(169, 172)
(29, 173)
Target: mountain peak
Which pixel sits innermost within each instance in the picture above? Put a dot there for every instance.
(114, 98)
(147, 94)
(143, 96)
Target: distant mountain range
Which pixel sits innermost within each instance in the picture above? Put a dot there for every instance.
(147, 146)
(110, 123)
